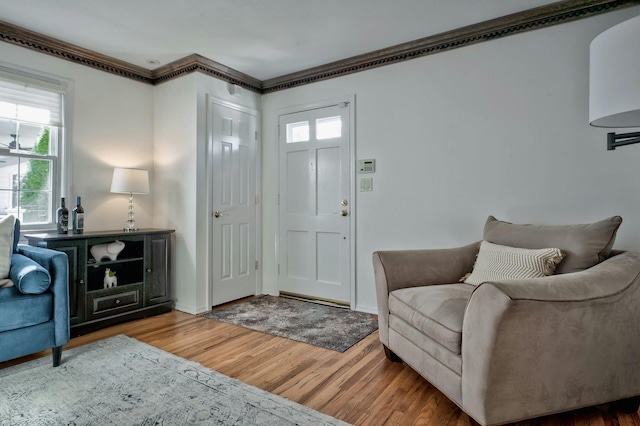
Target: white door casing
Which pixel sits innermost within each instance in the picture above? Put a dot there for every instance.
(316, 202)
(233, 141)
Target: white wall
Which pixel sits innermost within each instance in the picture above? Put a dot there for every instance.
(498, 128)
(111, 127)
(181, 186)
(174, 187)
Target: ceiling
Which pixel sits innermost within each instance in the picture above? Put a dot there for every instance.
(261, 38)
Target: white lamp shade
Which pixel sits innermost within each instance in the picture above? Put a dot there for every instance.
(614, 80)
(130, 181)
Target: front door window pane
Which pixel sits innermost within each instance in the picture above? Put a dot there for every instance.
(298, 132)
(328, 128)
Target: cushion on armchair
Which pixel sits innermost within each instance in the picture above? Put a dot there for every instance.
(584, 245)
(28, 276)
(496, 262)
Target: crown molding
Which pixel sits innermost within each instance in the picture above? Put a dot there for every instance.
(199, 63)
(532, 19)
(540, 17)
(31, 40)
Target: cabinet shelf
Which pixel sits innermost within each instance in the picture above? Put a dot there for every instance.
(142, 270)
(114, 290)
(112, 262)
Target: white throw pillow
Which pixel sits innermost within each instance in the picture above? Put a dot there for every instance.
(6, 245)
(496, 262)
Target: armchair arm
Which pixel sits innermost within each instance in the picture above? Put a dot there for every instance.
(539, 346)
(413, 268)
(57, 264)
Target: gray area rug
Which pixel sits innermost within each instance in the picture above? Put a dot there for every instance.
(320, 325)
(121, 381)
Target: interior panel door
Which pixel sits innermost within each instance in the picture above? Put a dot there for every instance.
(234, 203)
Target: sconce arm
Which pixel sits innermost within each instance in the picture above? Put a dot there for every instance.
(621, 139)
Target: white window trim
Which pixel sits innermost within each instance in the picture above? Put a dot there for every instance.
(62, 182)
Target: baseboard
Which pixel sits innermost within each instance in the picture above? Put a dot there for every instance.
(202, 309)
(367, 309)
(186, 309)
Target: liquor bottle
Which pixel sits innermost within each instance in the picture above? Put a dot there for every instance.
(62, 218)
(78, 217)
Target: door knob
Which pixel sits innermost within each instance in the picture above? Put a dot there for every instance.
(218, 214)
(343, 212)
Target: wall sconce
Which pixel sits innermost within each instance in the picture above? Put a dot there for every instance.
(130, 181)
(614, 81)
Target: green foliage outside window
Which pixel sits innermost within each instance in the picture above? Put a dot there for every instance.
(33, 197)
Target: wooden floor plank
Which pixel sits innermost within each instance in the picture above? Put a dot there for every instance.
(359, 386)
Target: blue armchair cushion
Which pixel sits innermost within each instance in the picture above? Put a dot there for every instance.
(19, 310)
(28, 276)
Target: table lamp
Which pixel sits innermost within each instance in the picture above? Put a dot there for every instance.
(130, 181)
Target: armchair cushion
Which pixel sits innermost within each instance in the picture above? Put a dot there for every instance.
(584, 245)
(437, 311)
(28, 276)
(496, 262)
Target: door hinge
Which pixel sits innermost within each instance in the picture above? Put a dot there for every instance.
(256, 135)
(278, 269)
(257, 265)
(278, 199)
(257, 200)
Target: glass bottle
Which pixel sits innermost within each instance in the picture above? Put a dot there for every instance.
(62, 218)
(78, 217)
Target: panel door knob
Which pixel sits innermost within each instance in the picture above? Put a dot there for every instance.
(218, 214)
(343, 212)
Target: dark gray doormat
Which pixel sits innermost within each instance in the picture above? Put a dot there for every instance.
(325, 326)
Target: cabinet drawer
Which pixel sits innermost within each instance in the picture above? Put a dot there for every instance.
(114, 301)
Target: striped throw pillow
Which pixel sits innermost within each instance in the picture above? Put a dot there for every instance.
(496, 262)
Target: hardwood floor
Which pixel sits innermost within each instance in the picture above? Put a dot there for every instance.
(359, 386)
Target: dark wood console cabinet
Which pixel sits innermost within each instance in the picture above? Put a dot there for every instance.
(142, 269)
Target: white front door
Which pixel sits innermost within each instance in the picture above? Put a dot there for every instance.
(233, 174)
(315, 216)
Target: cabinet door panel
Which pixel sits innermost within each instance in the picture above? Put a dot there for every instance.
(77, 283)
(158, 268)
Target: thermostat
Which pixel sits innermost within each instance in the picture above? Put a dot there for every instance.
(367, 166)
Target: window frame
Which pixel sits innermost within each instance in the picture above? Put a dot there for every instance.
(60, 136)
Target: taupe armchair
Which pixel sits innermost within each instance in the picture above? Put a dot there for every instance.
(508, 350)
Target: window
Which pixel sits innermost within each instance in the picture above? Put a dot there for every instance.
(328, 128)
(325, 128)
(31, 143)
(298, 132)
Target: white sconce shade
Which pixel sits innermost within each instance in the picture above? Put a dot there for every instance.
(614, 80)
(130, 181)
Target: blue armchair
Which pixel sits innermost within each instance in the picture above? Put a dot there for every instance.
(34, 313)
